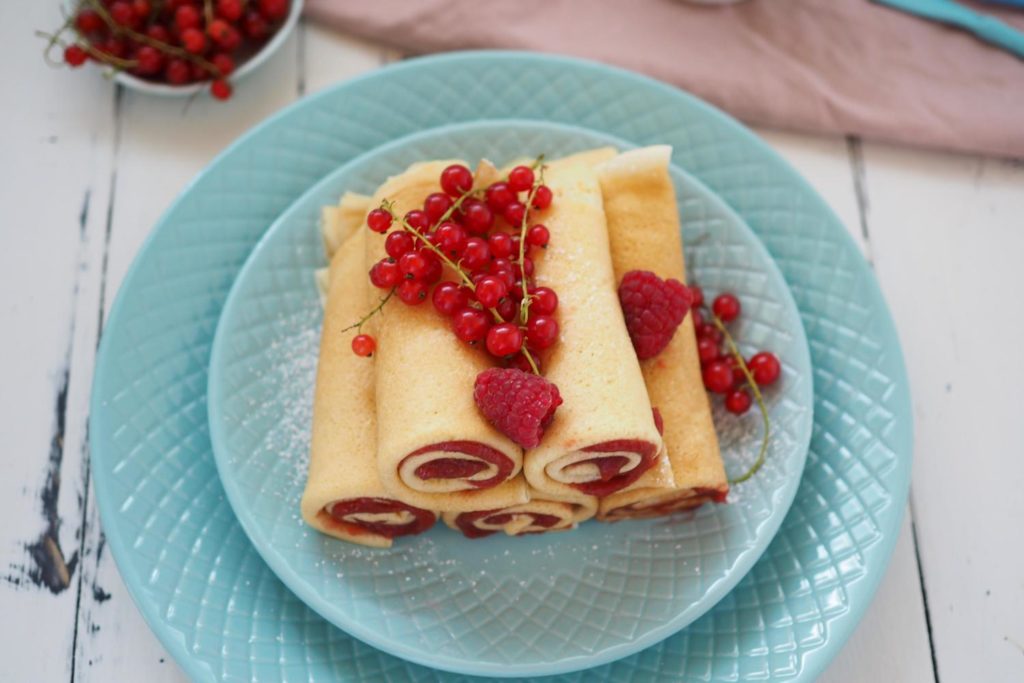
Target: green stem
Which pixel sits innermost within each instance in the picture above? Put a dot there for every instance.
(757, 397)
(379, 307)
(524, 307)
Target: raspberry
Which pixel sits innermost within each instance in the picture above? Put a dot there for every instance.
(518, 404)
(653, 308)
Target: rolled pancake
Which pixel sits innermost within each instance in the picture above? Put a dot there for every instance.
(643, 228)
(434, 448)
(537, 516)
(338, 223)
(603, 436)
(344, 497)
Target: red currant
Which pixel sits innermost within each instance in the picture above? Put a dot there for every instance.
(193, 40)
(538, 236)
(765, 368)
(471, 325)
(696, 296)
(451, 238)
(150, 61)
(186, 17)
(413, 265)
(434, 268)
(255, 26)
(709, 331)
(738, 401)
(544, 301)
(478, 218)
(542, 197)
(141, 9)
(456, 180)
(224, 34)
(363, 345)
(158, 32)
(229, 9)
(501, 244)
(476, 254)
(708, 350)
(385, 274)
(504, 339)
(178, 72)
(507, 276)
(520, 178)
(412, 292)
(514, 213)
(88, 21)
(490, 290)
(499, 195)
(378, 220)
(516, 243)
(418, 221)
(507, 309)
(114, 47)
(123, 14)
(524, 269)
(221, 89)
(726, 307)
(541, 331)
(224, 63)
(717, 377)
(274, 10)
(448, 297)
(738, 378)
(75, 56)
(398, 243)
(436, 205)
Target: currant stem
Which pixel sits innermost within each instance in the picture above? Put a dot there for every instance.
(529, 359)
(757, 397)
(166, 48)
(524, 307)
(376, 309)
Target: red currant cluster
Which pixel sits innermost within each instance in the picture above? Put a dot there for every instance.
(720, 369)
(171, 41)
(484, 237)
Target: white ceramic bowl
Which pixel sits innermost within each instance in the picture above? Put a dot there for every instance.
(248, 66)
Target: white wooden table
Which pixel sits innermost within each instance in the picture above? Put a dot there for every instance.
(86, 170)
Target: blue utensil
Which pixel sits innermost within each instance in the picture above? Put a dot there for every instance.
(987, 28)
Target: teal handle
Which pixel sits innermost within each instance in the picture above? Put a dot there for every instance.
(987, 28)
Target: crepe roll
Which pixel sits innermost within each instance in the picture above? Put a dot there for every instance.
(603, 437)
(338, 223)
(434, 448)
(344, 497)
(643, 229)
(539, 515)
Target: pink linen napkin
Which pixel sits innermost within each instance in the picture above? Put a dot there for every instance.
(829, 66)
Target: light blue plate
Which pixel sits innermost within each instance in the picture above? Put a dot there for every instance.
(499, 606)
(202, 586)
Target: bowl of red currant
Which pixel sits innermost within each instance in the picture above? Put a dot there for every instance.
(173, 47)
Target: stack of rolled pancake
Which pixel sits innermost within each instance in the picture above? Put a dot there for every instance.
(398, 439)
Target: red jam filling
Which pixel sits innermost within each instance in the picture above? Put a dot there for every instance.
(450, 468)
(423, 519)
(694, 498)
(456, 468)
(466, 522)
(610, 467)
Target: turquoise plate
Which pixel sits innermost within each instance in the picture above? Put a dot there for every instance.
(200, 583)
(500, 606)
